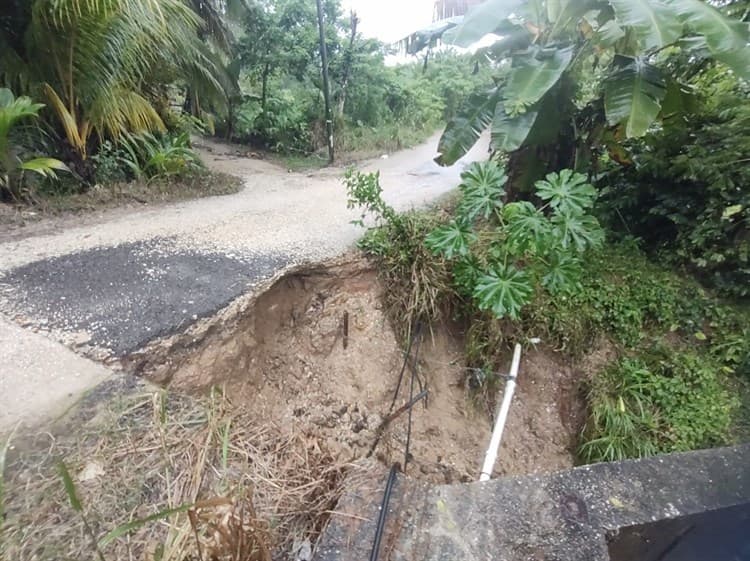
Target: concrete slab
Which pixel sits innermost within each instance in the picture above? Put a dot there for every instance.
(665, 508)
(40, 378)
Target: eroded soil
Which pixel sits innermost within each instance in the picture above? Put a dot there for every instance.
(282, 356)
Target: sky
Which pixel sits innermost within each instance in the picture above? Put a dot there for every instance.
(391, 20)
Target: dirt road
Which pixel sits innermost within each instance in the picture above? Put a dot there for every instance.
(116, 281)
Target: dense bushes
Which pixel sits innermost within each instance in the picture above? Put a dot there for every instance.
(145, 157)
(662, 401)
(375, 106)
(687, 193)
(683, 355)
(386, 108)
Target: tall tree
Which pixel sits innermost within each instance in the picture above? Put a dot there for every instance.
(326, 84)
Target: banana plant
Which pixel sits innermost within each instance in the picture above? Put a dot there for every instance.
(553, 49)
(12, 165)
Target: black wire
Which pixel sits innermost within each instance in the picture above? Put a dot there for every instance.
(414, 335)
(411, 397)
(375, 552)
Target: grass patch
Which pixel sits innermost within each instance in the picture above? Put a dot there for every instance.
(355, 144)
(663, 400)
(162, 476)
(374, 141)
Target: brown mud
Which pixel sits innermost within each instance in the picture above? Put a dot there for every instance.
(283, 356)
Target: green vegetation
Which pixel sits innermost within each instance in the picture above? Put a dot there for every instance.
(104, 71)
(14, 163)
(118, 86)
(683, 355)
(662, 402)
(577, 79)
(648, 102)
(377, 108)
(692, 176)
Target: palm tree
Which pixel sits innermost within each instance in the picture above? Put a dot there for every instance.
(99, 62)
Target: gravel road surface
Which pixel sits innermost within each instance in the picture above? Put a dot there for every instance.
(122, 278)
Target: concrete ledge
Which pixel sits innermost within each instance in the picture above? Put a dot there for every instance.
(666, 508)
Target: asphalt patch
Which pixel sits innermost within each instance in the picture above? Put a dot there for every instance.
(127, 295)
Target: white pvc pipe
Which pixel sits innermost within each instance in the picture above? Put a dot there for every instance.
(497, 434)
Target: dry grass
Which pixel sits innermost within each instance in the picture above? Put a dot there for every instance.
(249, 490)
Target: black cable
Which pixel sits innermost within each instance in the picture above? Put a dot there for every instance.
(411, 398)
(414, 335)
(383, 514)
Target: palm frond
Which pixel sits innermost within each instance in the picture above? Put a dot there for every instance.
(99, 58)
(122, 110)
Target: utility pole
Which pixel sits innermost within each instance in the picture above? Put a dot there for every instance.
(326, 86)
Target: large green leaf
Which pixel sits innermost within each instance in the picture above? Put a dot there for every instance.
(653, 21)
(504, 291)
(482, 188)
(727, 39)
(534, 12)
(609, 33)
(566, 191)
(563, 274)
(577, 231)
(451, 240)
(570, 13)
(44, 166)
(526, 226)
(480, 21)
(509, 133)
(532, 76)
(632, 94)
(464, 130)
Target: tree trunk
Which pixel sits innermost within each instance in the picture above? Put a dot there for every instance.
(347, 65)
(326, 85)
(264, 85)
(426, 60)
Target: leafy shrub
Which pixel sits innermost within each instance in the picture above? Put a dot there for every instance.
(490, 261)
(150, 156)
(687, 192)
(502, 254)
(109, 162)
(14, 160)
(284, 125)
(664, 401)
(419, 284)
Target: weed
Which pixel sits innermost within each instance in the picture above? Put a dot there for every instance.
(3, 458)
(149, 156)
(109, 164)
(662, 401)
(183, 476)
(419, 283)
